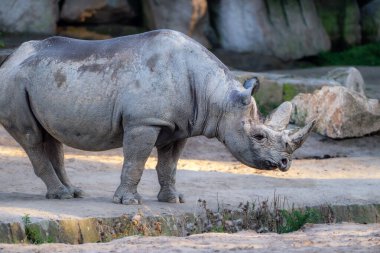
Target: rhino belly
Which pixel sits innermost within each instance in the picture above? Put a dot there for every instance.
(77, 118)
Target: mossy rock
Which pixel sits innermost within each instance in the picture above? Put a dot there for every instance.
(269, 97)
(289, 91)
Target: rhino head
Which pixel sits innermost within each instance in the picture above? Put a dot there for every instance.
(261, 143)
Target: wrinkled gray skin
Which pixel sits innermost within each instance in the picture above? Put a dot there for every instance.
(149, 90)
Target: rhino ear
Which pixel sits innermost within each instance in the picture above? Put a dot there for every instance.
(279, 119)
(251, 86)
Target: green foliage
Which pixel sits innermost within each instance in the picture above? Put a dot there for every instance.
(218, 229)
(265, 108)
(33, 234)
(294, 220)
(329, 22)
(364, 55)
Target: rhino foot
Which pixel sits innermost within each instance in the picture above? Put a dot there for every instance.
(60, 193)
(170, 195)
(125, 197)
(76, 192)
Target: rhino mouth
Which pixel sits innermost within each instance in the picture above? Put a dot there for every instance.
(269, 165)
(283, 165)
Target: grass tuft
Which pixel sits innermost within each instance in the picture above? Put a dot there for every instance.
(33, 234)
(295, 219)
(261, 215)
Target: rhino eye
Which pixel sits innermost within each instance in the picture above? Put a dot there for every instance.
(259, 137)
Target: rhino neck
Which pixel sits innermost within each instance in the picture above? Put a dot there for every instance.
(213, 125)
(214, 109)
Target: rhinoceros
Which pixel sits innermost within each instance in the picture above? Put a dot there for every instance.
(138, 92)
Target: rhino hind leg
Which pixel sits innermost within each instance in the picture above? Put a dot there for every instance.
(22, 125)
(54, 150)
(31, 141)
(168, 157)
(138, 143)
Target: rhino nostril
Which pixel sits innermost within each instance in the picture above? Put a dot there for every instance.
(284, 162)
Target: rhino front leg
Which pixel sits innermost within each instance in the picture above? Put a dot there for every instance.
(166, 170)
(138, 143)
(54, 150)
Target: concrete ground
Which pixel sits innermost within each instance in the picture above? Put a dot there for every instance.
(206, 171)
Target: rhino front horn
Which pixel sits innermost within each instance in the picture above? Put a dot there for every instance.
(299, 137)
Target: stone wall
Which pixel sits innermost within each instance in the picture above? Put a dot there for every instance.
(341, 20)
(38, 16)
(283, 29)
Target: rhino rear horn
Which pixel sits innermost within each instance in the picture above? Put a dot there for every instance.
(298, 138)
(279, 119)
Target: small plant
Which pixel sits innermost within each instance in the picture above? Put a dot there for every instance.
(218, 229)
(295, 219)
(261, 215)
(33, 234)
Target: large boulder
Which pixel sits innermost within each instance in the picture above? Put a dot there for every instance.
(371, 21)
(287, 29)
(341, 20)
(187, 16)
(37, 16)
(349, 77)
(277, 88)
(97, 11)
(341, 112)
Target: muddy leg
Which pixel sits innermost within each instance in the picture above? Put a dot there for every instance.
(166, 170)
(138, 143)
(54, 150)
(32, 143)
